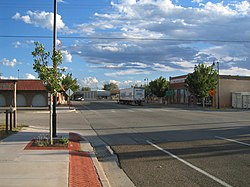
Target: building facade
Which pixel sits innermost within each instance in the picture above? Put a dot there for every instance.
(29, 93)
(223, 94)
(93, 95)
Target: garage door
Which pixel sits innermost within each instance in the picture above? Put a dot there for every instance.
(2, 100)
(39, 100)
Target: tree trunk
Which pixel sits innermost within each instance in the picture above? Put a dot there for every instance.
(203, 102)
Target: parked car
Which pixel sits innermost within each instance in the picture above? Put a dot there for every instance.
(79, 99)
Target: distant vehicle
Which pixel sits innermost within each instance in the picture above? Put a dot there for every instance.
(133, 96)
(79, 98)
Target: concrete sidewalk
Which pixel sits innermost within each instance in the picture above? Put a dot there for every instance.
(37, 168)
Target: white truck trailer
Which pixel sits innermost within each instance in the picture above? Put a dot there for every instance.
(133, 96)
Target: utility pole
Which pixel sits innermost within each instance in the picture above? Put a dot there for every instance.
(55, 67)
(218, 66)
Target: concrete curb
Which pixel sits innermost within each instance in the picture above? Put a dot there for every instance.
(110, 164)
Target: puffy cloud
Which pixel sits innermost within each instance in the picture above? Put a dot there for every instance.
(164, 37)
(42, 19)
(162, 67)
(91, 82)
(67, 57)
(10, 63)
(17, 44)
(127, 72)
(235, 71)
(158, 36)
(29, 76)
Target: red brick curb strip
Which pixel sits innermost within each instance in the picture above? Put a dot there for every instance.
(82, 172)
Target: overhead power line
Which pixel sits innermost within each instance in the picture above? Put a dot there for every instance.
(127, 38)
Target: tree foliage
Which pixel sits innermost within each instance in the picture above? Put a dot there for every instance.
(203, 79)
(86, 89)
(69, 82)
(51, 76)
(111, 86)
(159, 86)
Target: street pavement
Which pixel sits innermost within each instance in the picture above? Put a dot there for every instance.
(159, 145)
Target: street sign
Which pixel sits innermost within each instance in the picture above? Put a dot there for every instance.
(169, 93)
(212, 92)
(69, 92)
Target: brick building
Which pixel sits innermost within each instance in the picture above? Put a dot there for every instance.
(29, 93)
(227, 85)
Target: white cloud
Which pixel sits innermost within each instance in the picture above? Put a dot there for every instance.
(235, 71)
(10, 77)
(91, 82)
(42, 19)
(144, 25)
(67, 57)
(197, 1)
(10, 63)
(127, 72)
(243, 7)
(158, 36)
(17, 44)
(162, 68)
(58, 42)
(184, 63)
(29, 76)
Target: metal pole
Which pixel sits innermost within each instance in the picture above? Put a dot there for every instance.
(218, 66)
(55, 67)
(6, 121)
(11, 120)
(51, 121)
(15, 107)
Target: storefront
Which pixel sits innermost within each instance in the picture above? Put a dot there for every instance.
(223, 94)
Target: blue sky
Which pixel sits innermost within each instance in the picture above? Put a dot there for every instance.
(126, 41)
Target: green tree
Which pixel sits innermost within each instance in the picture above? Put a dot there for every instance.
(203, 79)
(69, 82)
(86, 89)
(52, 77)
(111, 86)
(159, 86)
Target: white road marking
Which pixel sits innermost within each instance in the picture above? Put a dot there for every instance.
(190, 165)
(231, 140)
(131, 111)
(165, 110)
(113, 111)
(145, 110)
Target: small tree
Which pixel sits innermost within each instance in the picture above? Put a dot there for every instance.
(201, 81)
(51, 77)
(159, 86)
(88, 89)
(69, 82)
(111, 86)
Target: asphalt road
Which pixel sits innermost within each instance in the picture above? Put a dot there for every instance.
(162, 146)
(158, 145)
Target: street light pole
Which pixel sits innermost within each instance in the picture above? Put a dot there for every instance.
(54, 66)
(146, 79)
(218, 68)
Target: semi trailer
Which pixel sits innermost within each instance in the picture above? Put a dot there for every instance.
(133, 96)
